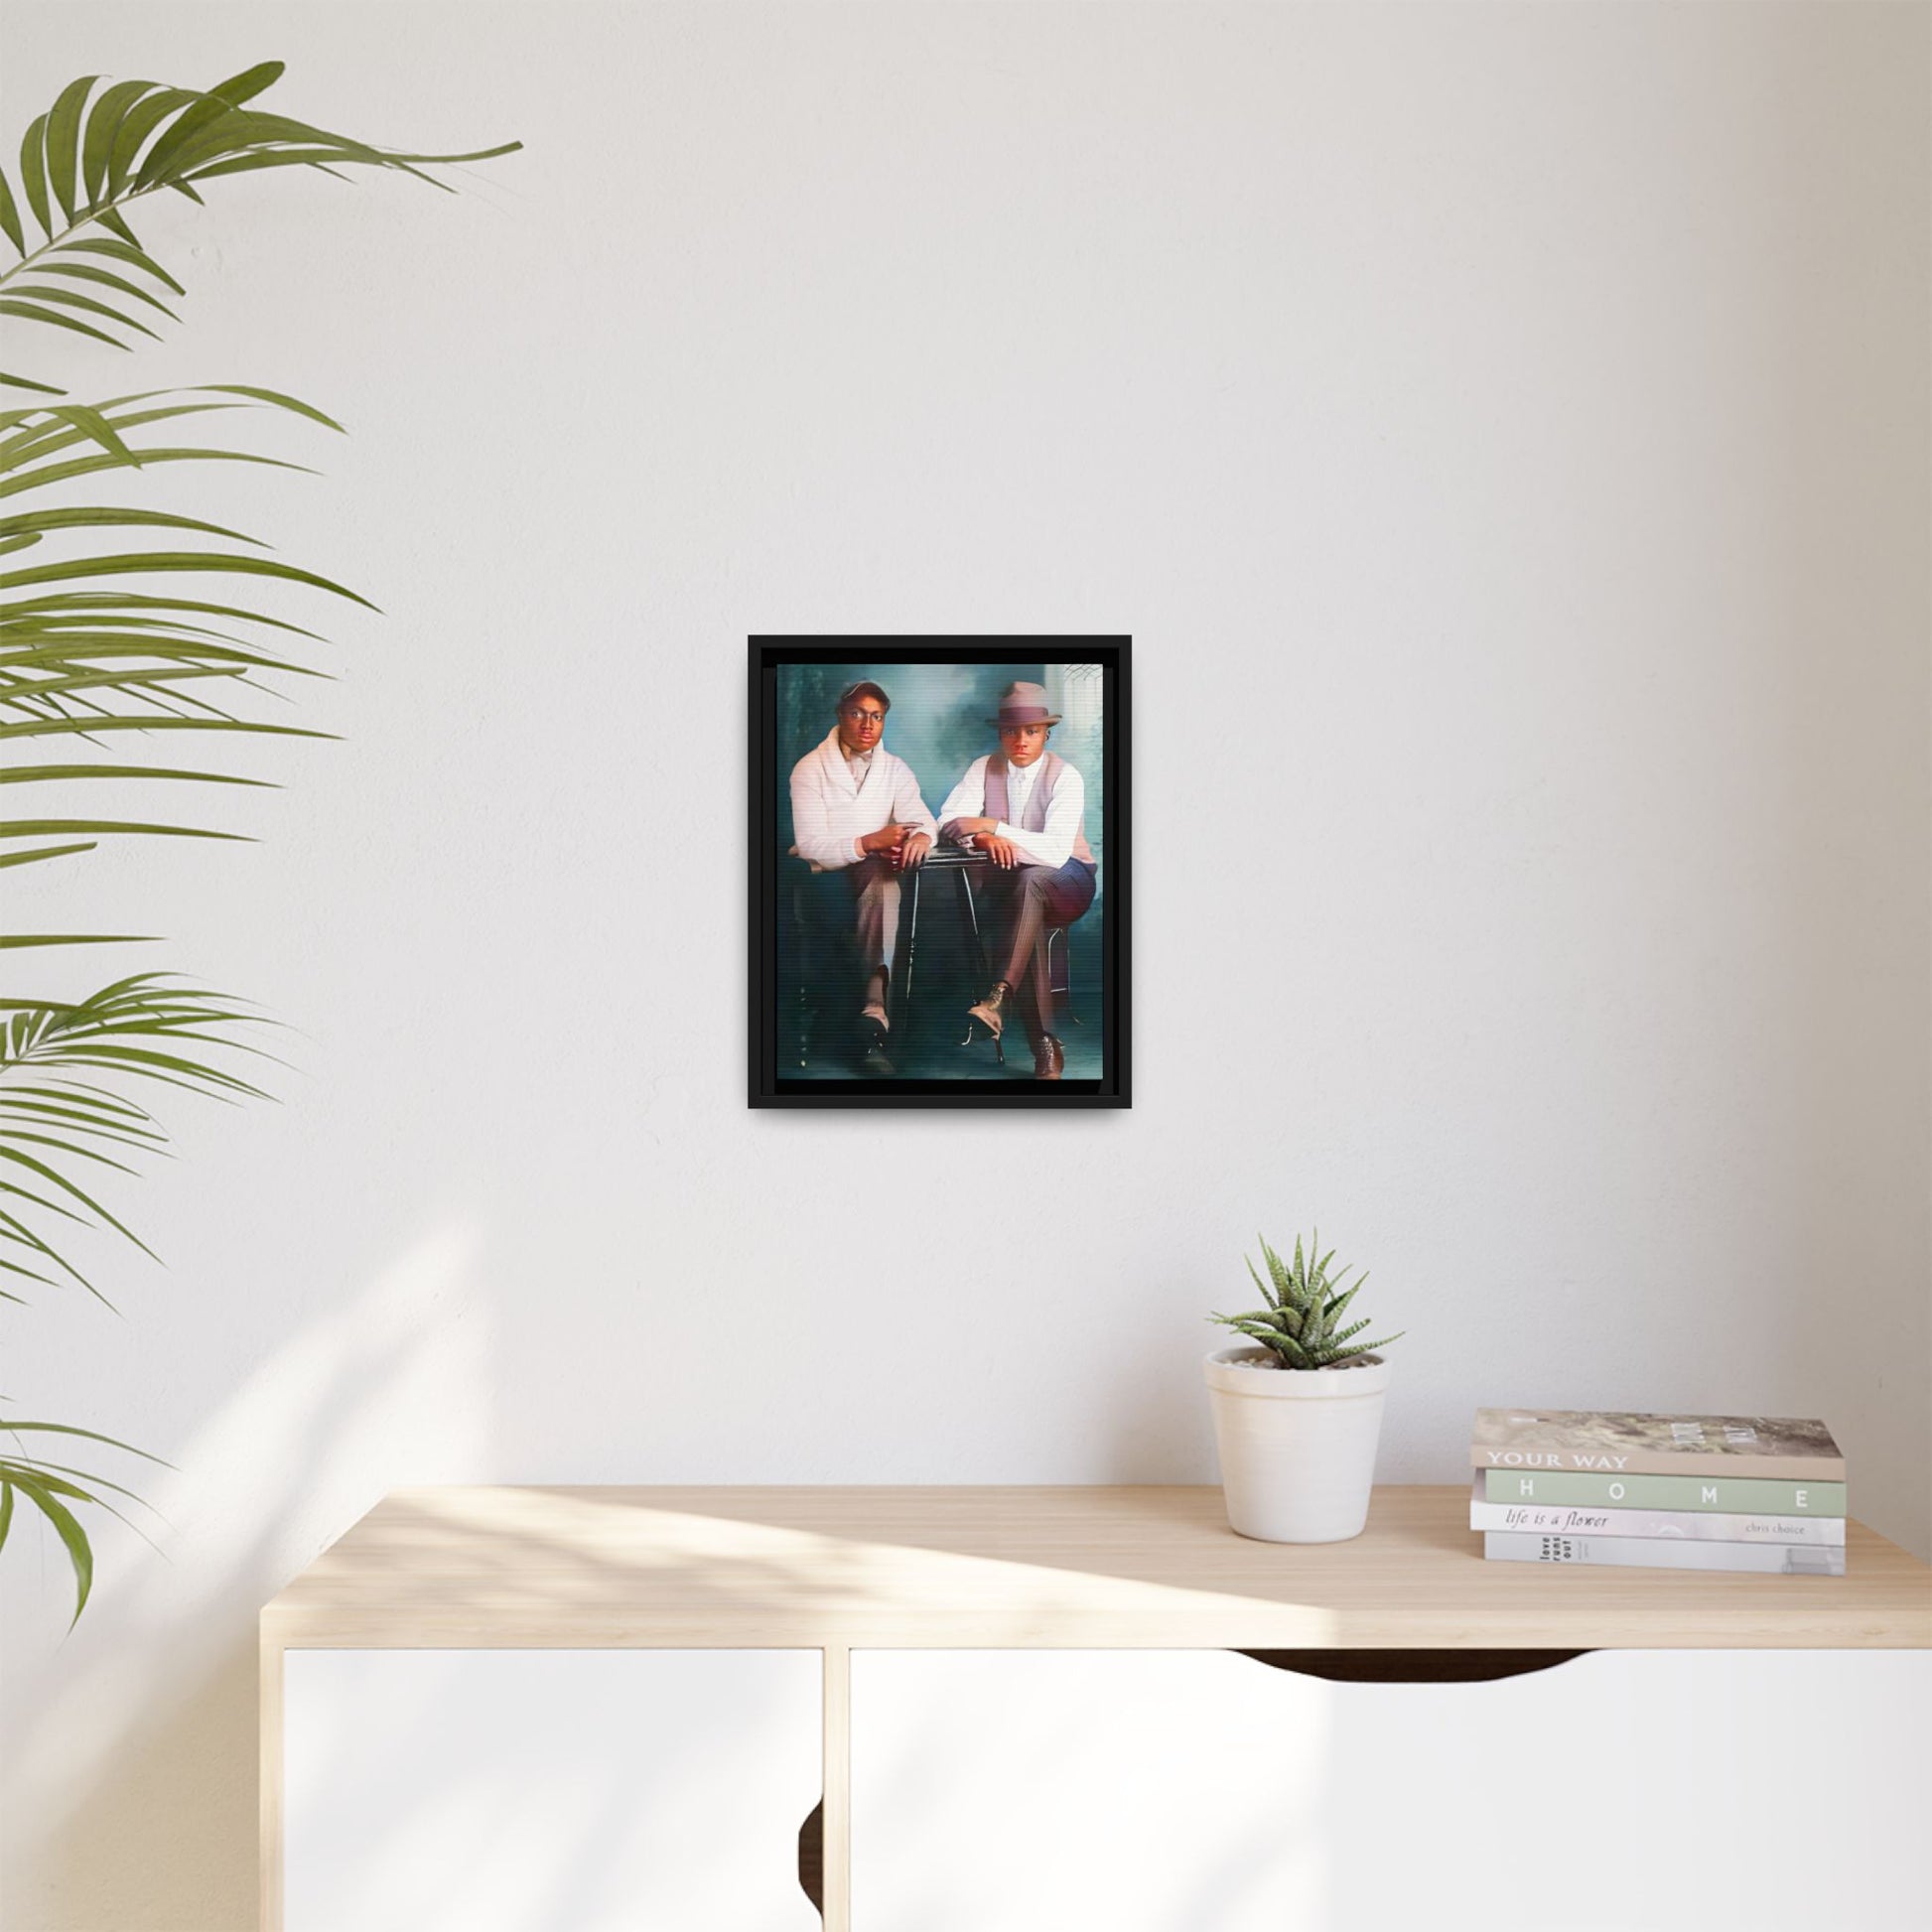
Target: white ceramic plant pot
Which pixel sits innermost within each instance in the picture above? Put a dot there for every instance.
(1297, 1445)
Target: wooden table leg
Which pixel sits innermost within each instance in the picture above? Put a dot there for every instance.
(838, 1789)
(269, 1729)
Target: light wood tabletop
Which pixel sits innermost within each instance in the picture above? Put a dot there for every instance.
(1046, 1567)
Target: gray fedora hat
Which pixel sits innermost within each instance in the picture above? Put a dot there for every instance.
(1025, 704)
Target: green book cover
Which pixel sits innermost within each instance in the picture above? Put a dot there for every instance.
(1757, 1495)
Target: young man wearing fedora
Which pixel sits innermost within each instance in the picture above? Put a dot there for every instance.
(858, 822)
(1024, 806)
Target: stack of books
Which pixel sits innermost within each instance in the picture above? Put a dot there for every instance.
(1662, 1493)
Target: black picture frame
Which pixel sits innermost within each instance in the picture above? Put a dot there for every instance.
(778, 1076)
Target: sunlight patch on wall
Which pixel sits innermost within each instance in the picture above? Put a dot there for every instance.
(393, 1388)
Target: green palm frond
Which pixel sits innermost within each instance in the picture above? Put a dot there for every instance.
(1303, 1323)
(123, 647)
(82, 269)
(58, 1120)
(82, 656)
(52, 1487)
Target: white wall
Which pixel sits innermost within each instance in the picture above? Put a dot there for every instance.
(1501, 429)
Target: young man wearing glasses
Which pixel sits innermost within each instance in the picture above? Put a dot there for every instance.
(858, 822)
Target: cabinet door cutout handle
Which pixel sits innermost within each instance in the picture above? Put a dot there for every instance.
(1413, 1666)
(811, 1857)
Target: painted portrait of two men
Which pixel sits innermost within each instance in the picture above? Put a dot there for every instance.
(938, 871)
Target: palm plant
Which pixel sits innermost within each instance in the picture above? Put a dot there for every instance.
(1301, 1323)
(102, 647)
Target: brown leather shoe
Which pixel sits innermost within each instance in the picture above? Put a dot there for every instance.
(1050, 1056)
(987, 1011)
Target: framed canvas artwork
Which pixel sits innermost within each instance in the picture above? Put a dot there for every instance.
(939, 872)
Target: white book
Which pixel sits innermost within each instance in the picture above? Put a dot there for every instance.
(1667, 1525)
(1647, 1553)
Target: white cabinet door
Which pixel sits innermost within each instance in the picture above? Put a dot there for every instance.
(545, 1790)
(1200, 1791)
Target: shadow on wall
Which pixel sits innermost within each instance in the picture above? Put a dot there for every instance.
(140, 1811)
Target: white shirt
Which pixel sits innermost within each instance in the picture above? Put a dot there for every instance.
(836, 801)
(1052, 847)
(1020, 779)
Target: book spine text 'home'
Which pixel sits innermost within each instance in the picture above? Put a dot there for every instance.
(1738, 1495)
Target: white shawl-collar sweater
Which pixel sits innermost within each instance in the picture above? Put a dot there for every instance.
(836, 802)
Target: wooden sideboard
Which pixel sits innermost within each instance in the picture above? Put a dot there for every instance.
(947, 1571)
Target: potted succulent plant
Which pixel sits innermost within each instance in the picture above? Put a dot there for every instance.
(1297, 1416)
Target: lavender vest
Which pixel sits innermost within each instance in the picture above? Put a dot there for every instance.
(1033, 818)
